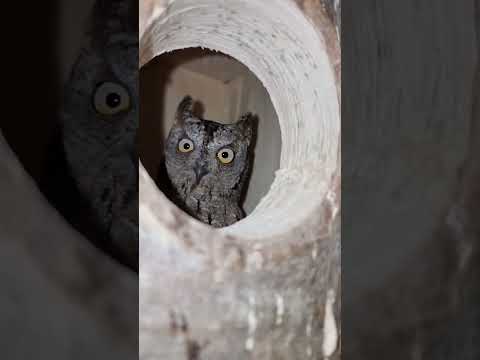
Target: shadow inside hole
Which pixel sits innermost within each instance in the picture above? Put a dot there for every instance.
(223, 90)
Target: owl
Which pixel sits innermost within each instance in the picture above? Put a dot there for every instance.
(208, 165)
(99, 121)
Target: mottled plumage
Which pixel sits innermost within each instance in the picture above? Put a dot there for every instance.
(99, 123)
(208, 164)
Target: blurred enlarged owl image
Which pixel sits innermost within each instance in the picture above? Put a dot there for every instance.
(208, 165)
(99, 121)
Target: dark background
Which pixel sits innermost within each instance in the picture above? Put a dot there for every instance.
(32, 70)
(95, 315)
(410, 180)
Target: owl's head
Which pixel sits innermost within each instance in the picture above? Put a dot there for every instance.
(99, 120)
(203, 155)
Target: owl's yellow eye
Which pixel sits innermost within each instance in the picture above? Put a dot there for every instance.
(111, 98)
(185, 145)
(226, 155)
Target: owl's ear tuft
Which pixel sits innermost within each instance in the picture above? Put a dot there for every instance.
(247, 125)
(184, 110)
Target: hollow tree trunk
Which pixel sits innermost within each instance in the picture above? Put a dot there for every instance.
(247, 293)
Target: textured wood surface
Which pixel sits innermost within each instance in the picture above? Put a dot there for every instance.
(262, 293)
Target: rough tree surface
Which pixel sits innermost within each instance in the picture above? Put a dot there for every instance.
(208, 294)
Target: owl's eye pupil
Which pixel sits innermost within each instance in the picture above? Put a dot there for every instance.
(225, 156)
(113, 100)
(185, 146)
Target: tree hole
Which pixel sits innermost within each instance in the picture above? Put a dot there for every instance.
(223, 90)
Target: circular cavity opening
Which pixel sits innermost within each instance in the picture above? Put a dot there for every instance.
(223, 90)
(279, 45)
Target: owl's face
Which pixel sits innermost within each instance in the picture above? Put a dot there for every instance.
(204, 156)
(99, 122)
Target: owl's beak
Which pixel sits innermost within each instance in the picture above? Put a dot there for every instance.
(200, 172)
